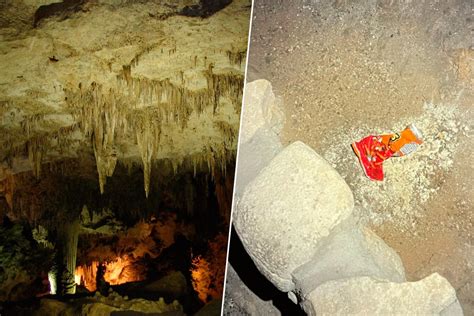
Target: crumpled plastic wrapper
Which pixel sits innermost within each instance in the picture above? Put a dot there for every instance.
(373, 150)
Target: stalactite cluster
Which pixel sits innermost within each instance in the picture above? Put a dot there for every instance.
(148, 138)
(236, 57)
(134, 108)
(225, 85)
(141, 106)
(35, 154)
(99, 113)
(31, 132)
(229, 133)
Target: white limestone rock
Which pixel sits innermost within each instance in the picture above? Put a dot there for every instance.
(432, 295)
(349, 252)
(288, 210)
(239, 298)
(253, 156)
(261, 110)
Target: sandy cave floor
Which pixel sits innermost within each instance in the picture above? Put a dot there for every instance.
(345, 70)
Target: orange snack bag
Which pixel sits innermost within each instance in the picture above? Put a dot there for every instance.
(373, 150)
(406, 141)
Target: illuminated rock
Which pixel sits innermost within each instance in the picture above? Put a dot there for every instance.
(122, 83)
(259, 142)
(173, 284)
(262, 110)
(288, 210)
(349, 251)
(432, 295)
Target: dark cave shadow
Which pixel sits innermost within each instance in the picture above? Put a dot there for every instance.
(57, 9)
(205, 8)
(255, 281)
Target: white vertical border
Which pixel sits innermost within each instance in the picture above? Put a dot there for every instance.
(237, 157)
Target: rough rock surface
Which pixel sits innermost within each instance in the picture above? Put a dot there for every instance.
(346, 69)
(349, 252)
(102, 305)
(262, 120)
(254, 155)
(369, 296)
(120, 82)
(282, 233)
(262, 109)
(50, 307)
(213, 308)
(240, 300)
(173, 284)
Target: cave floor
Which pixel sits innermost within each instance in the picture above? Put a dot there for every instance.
(344, 71)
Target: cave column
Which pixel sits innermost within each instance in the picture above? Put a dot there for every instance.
(68, 236)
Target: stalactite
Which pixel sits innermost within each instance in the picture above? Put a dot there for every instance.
(99, 113)
(35, 148)
(148, 136)
(106, 113)
(145, 146)
(174, 164)
(236, 57)
(105, 162)
(229, 85)
(229, 133)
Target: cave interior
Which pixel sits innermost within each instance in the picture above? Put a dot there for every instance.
(118, 132)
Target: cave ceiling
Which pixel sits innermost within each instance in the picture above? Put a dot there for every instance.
(131, 82)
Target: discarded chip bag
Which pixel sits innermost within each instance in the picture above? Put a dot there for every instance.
(373, 150)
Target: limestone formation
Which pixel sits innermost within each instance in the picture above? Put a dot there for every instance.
(349, 251)
(262, 110)
(121, 82)
(287, 210)
(102, 305)
(432, 295)
(239, 296)
(253, 156)
(294, 217)
(262, 121)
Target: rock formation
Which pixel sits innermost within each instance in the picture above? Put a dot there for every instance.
(124, 82)
(114, 115)
(295, 219)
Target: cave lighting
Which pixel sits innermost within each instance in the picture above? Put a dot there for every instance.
(77, 279)
(52, 282)
(119, 271)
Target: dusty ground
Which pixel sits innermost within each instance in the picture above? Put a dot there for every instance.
(347, 69)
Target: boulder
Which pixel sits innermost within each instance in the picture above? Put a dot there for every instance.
(432, 295)
(213, 308)
(50, 307)
(262, 110)
(240, 300)
(349, 251)
(259, 143)
(288, 210)
(254, 155)
(173, 284)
